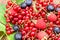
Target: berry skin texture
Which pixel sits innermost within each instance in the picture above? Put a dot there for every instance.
(18, 36)
(41, 35)
(28, 2)
(50, 8)
(23, 5)
(56, 30)
(52, 17)
(16, 27)
(57, 9)
(40, 24)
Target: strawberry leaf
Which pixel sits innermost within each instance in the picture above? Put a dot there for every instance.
(11, 37)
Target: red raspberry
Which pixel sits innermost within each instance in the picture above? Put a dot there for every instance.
(52, 17)
(41, 35)
(40, 24)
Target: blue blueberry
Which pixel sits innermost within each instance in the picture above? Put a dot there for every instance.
(16, 27)
(23, 5)
(57, 9)
(18, 36)
(28, 2)
(56, 30)
(50, 8)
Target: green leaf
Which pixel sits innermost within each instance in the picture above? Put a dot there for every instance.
(11, 37)
(2, 28)
(13, 1)
(19, 1)
(1, 34)
(2, 11)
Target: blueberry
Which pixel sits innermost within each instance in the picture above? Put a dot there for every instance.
(18, 36)
(57, 9)
(16, 27)
(28, 2)
(50, 7)
(23, 5)
(56, 30)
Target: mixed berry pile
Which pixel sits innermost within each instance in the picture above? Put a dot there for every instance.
(33, 20)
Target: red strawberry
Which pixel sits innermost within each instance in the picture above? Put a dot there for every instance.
(40, 24)
(42, 35)
(52, 17)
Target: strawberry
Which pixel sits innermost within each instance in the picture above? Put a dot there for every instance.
(40, 24)
(42, 35)
(51, 17)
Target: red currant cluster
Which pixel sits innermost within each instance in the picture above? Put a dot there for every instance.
(38, 21)
(9, 29)
(29, 29)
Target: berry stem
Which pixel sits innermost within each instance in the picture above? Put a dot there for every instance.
(32, 38)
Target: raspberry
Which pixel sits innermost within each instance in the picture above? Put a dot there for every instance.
(40, 24)
(52, 17)
(42, 34)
